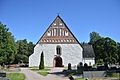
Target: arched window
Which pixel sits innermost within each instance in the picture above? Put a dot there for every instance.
(58, 50)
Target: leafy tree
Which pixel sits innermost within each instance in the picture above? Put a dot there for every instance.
(41, 66)
(106, 49)
(118, 49)
(7, 45)
(11, 51)
(100, 62)
(22, 53)
(30, 48)
(24, 50)
(94, 36)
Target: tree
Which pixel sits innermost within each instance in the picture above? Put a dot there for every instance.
(41, 66)
(11, 51)
(106, 49)
(24, 50)
(7, 45)
(30, 48)
(118, 51)
(94, 36)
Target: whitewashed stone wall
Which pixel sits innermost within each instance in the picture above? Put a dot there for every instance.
(89, 61)
(71, 53)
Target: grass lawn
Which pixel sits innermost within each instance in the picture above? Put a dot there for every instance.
(79, 79)
(16, 76)
(43, 73)
(89, 79)
(117, 75)
(112, 74)
(36, 69)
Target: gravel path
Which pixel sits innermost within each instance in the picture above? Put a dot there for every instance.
(54, 76)
(31, 75)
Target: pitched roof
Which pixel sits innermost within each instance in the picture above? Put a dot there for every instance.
(57, 26)
(88, 51)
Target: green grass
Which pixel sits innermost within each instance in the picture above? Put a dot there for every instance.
(43, 73)
(79, 79)
(90, 79)
(112, 74)
(16, 76)
(116, 75)
(36, 69)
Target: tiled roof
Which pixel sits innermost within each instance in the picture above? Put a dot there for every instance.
(88, 51)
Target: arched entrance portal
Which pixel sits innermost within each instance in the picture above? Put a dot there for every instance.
(58, 61)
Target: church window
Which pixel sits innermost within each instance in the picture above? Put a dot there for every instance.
(60, 32)
(61, 40)
(89, 63)
(54, 32)
(73, 40)
(48, 34)
(54, 24)
(51, 32)
(58, 50)
(60, 24)
(66, 33)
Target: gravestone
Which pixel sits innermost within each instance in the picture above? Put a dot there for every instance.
(2, 73)
(80, 68)
(3, 78)
(71, 78)
(69, 66)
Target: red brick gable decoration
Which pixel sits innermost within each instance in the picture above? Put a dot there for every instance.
(58, 33)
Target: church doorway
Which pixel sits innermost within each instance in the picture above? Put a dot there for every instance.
(58, 61)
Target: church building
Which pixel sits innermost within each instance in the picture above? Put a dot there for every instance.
(59, 47)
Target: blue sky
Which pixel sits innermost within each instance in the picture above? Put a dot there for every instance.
(30, 18)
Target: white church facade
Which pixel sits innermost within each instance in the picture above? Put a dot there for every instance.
(59, 47)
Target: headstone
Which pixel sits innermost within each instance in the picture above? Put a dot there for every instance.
(71, 78)
(2, 74)
(69, 66)
(80, 68)
(3, 78)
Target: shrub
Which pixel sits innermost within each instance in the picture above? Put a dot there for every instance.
(41, 66)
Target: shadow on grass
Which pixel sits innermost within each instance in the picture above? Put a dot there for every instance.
(65, 73)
